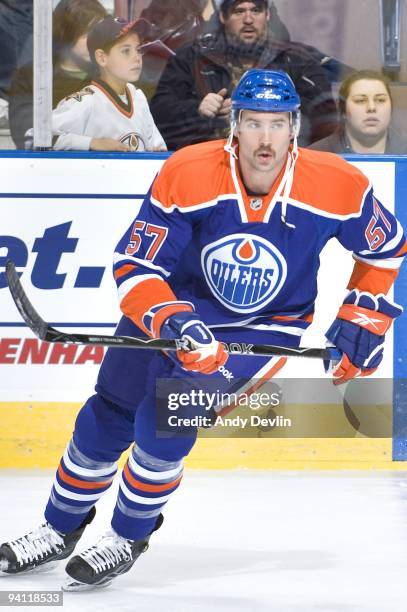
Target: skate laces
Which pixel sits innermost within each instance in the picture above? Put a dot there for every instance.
(109, 550)
(37, 544)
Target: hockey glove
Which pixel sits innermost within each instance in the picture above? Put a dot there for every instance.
(359, 332)
(206, 354)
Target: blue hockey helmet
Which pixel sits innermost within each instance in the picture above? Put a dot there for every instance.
(267, 91)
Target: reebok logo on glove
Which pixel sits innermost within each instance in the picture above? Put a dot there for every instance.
(365, 321)
(376, 322)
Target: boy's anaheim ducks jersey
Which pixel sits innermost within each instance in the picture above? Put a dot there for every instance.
(245, 260)
(98, 112)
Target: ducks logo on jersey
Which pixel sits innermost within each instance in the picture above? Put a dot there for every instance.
(244, 272)
(134, 141)
(79, 95)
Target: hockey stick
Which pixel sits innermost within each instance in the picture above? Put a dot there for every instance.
(45, 332)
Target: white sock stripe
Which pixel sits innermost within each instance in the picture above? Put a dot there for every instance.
(84, 461)
(143, 514)
(162, 477)
(148, 501)
(149, 461)
(76, 496)
(67, 507)
(81, 471)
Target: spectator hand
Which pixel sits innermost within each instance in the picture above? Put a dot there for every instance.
(213, 103)
(225, 108)
(359, 332)
(206, 354)
(108, 144)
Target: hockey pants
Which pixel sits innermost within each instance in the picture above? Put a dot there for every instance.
(123, 411)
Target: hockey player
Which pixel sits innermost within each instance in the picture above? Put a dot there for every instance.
(233, 231)
(110, 114)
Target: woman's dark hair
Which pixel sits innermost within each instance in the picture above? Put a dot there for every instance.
(347, 83)
(72, 19)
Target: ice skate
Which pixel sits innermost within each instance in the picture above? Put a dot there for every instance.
(99, 564)
(40, 549)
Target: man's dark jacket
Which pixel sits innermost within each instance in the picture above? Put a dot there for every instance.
(207, 65)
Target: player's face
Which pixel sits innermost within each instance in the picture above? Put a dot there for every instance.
(246, 23)
(124, 60)
(368, 108)
(264, 140)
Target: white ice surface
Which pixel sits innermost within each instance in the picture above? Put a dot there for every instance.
(252, 541)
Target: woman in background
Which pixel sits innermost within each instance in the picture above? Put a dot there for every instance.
(365, 106)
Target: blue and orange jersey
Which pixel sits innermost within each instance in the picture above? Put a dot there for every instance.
(240, 259)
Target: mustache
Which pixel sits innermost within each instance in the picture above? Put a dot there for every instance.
(268, 150)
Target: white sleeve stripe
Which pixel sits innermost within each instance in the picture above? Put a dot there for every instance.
(392, 263)
(150, 313)
(191, 208)
(322, 213)
(328, 215)
(129, 284)
(148, 264)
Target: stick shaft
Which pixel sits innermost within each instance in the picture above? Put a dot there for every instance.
(46, 332)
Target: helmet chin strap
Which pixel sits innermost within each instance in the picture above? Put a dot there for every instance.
(293, 156)
(229, 146)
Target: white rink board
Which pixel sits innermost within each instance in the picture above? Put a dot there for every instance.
(91, 200)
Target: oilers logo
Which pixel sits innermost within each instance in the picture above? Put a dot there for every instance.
(244, 272)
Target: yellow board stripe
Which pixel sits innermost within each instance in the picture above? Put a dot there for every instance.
(34, 435)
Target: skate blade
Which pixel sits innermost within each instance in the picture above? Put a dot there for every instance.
(72, 586)
(39, 569)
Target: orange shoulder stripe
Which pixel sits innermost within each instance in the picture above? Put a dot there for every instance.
(328, 183)
(194, 175)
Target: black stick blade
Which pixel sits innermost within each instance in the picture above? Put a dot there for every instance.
(24, 306)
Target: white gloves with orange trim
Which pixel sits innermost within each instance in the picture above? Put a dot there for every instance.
(358, 331)
(206, 354)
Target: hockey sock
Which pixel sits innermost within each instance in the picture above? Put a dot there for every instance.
(146, 485)
(79, 483)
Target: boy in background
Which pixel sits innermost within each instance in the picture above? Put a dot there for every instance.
(110, 114)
